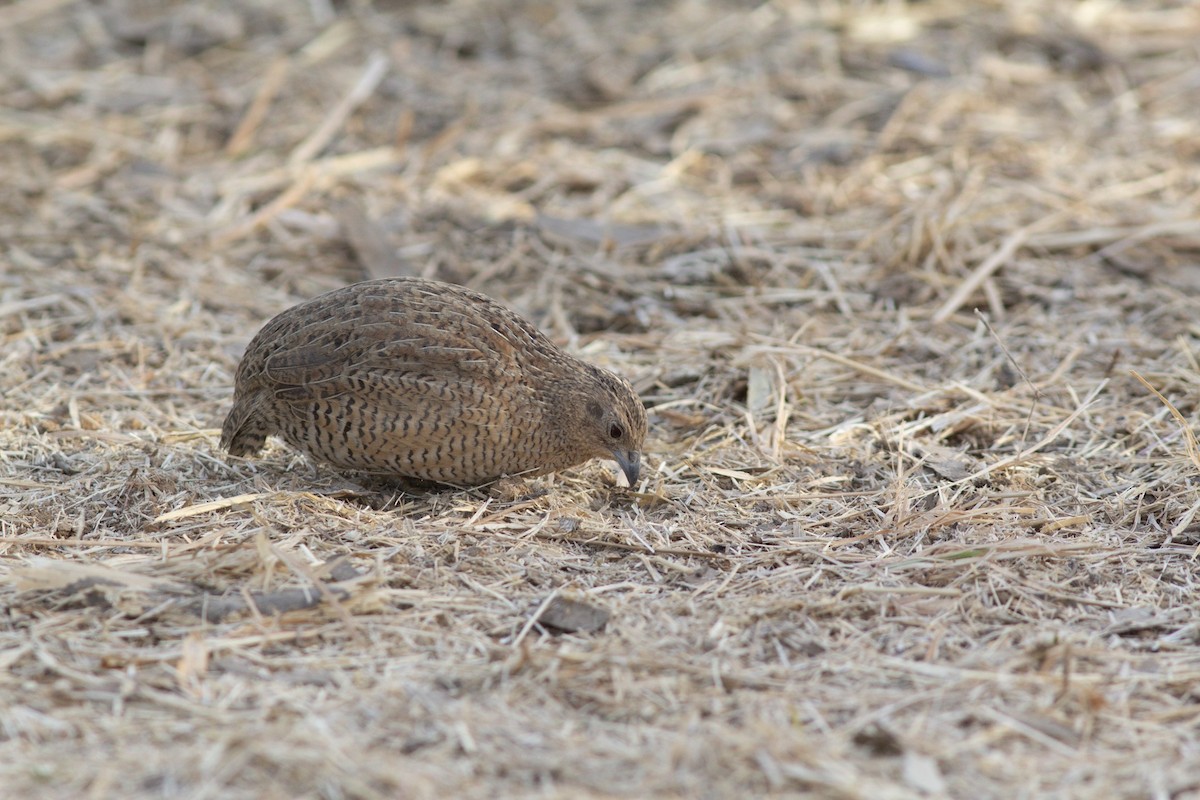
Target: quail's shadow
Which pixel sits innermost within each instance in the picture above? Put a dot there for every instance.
(386, 493)
(382, 492)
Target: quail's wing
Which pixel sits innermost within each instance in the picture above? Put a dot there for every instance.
(322, 365)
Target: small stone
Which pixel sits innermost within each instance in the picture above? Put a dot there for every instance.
(573, 616)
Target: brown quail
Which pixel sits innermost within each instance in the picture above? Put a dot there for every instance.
(412, 378)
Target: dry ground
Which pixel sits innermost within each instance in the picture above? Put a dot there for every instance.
(883, 272)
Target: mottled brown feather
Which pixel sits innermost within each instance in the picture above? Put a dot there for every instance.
(427, 380)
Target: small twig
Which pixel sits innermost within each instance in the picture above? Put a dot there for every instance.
(857, 366)
(290, 197)
(372, 74)
(257, 112)
(1045, 440)
(1037, 393)
(212, 505)
(534, 617)
(992, 263)
(49, 541)
(1189, 436)
(657, 551)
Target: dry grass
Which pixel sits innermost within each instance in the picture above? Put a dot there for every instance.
(887, 546)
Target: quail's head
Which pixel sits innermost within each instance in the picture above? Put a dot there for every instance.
(609, 421)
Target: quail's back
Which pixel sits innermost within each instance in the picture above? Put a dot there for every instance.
(420, 379)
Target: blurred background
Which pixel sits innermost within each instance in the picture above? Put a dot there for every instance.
(880, 270)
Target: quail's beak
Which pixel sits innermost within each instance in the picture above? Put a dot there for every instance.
(630, 462)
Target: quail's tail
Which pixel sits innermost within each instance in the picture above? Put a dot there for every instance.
(245, 431)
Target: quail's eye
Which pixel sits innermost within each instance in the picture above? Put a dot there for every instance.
(615, 431)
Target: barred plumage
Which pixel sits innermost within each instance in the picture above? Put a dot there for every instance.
(420, 379)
